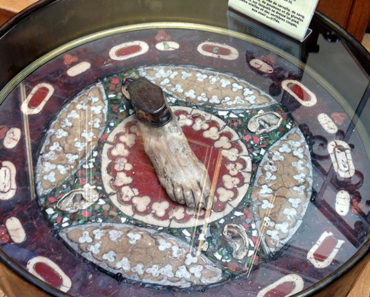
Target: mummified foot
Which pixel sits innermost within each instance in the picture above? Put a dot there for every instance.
(179, 171)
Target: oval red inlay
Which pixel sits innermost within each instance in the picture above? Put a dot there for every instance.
(38, 97)
(300, 92)
(128, 50)
(281, 290)
(48, 274)
(222, 51)
(325, 248)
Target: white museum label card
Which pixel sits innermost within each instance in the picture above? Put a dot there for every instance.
(291, 17)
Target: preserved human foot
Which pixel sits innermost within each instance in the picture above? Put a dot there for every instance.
(179, 171)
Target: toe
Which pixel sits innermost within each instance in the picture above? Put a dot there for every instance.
(169, 188)
(204, 192)
(179, 195)
(198, 197)
(189, 197)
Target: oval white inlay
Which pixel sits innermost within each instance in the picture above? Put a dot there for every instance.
(340, 154)
(78, 69)
(15, 229)
(342, 202)
(12, 138)
(8, 184)
(327, 123)
(167, 46)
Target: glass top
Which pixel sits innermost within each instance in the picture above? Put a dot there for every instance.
(163, 147)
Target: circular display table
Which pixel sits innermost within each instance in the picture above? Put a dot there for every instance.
(279, 126)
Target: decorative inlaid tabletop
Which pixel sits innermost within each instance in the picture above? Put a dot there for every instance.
(84, 211)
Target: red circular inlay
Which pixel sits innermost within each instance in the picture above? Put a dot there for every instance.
(300, 92)
(38, 97)
(281, 290)
(48, 274)
(222, 51)
(325, 248)
(128, 50)
(144, 179)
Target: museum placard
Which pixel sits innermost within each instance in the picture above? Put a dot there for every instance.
(291, 17)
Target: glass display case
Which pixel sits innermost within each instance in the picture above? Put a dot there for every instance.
(256, 187)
